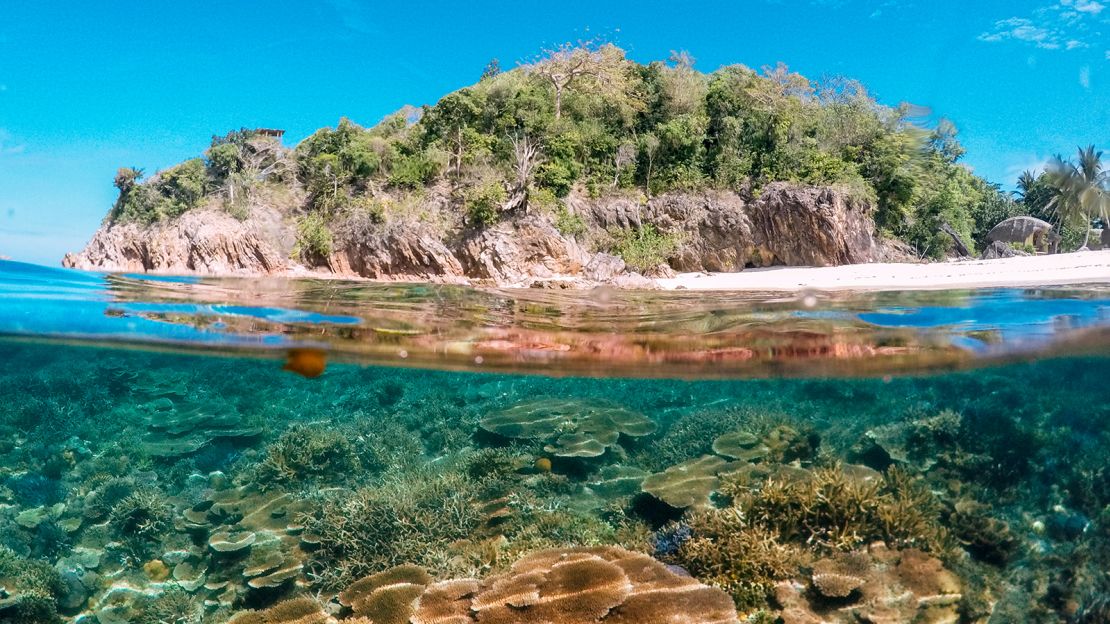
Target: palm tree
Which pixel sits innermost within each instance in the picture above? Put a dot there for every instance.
(1026, 183)
(1084, 189)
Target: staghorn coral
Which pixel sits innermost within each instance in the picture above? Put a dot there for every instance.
(306, 452)
(572, 427)
(411, 518)
(835, 510)
(31, 590)
(173, 606)
(745, 559)
(142, 515)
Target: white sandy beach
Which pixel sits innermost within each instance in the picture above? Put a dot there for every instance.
(1085, 267)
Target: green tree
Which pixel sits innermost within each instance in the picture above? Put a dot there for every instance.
(1083, 187)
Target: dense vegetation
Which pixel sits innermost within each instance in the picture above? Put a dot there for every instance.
(583, 117)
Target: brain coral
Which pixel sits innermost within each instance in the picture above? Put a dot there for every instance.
(572, 427)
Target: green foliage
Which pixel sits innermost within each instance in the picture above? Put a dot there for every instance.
(483, 203)
(1083, 190)
(314, 239)
(568, 223)
(644, 248)
(165, 196)
(413, 170)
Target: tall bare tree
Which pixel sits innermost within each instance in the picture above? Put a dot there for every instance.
(598, 67)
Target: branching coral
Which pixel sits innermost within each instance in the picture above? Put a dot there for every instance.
(833, 510)
(145, 513)
(306, 452)
(409, 519)
(31, 590)
(741, 557)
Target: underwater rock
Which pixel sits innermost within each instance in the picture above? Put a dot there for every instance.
(688, 484)
(74, 591)
(574, 427)
(878, 584)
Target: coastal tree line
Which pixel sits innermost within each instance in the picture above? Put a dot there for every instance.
(583, 116)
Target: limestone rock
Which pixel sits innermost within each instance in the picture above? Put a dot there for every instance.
(515, 250)
(206, 241)
(413, 253)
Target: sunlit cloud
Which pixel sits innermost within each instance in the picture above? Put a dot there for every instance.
(1066, 25)
(1085, 77)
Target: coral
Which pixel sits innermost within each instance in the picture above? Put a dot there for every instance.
(178, 432)
(783, 438)
(410, 519)
(173, 606)
(31, 590)
(987, 538)
(104, 498)
(295, 611)
(572, 427)
(742, 445)
(387, 597)
(742, 558)
(687, 484)
(156, 569)
(305, 452)
(878, 584)
(144, 514)
(916, 443)
(836, 509)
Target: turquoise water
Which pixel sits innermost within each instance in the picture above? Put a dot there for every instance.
(938, 456)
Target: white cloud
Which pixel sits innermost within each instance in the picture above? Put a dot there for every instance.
(1067, 24)
(1085, 6)
(1085, 77)
(1022, 29)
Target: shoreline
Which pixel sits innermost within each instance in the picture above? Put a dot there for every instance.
(1086, 267)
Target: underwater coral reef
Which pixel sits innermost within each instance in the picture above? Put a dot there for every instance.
(153, 487)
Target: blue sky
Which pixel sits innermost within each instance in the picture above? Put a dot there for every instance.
(87, 87)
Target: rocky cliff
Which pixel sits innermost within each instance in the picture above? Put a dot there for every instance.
(713, 231)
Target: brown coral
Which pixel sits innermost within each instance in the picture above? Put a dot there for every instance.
(569, 586)
(688, 484)
(572, 427)
(295, 611)
(388, 597)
